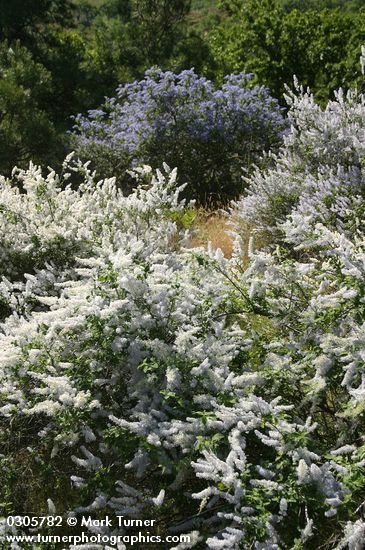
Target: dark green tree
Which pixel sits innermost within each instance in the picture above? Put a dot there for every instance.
(158, 24)
(128, 37)
(63, 54)
(20, 19)
(26, 127)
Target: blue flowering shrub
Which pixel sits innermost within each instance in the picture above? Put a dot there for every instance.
(209, 134)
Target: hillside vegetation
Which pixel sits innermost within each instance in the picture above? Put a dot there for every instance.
(142, 375)
(59, 58)
(182, 267)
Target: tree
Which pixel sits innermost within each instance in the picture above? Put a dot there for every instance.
(64, 55)
(26, 127)
(321, 47)
(306, 5)
(158, 24)
(126, 38)
(23, 18)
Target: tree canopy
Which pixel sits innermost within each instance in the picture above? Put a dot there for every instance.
(320, 46)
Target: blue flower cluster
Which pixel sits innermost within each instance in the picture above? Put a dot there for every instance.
(209, 134)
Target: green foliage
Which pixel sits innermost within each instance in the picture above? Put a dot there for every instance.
(306, 5)
(64, 57)
(157, 22)
(126, 38)
(26, 127)
(320, 46)
(25, 18)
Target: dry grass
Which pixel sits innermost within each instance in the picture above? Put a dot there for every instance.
(212, 227)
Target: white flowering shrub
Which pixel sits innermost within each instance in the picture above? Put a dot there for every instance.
(318, 175)
(147, 379)
(289, 471)
(99, 346)
(46, 226)
(293, 470)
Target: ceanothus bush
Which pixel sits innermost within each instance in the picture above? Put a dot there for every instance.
(209, 134)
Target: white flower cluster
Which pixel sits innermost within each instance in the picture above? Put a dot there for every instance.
(296, 443)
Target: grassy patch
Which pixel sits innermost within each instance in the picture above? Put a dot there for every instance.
(212, 227)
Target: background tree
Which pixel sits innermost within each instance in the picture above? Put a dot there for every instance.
(127, 38)
(159, 26)
(321, 47)
(86, 51)
(26, 126)
(21, 19)
(306, 5)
